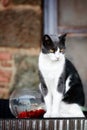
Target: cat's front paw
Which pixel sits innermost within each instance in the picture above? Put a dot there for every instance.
(54, 115)
(47, 115)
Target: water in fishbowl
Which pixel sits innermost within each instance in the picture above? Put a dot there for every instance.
(24, 100)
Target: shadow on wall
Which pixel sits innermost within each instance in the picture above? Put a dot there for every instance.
(76, 51)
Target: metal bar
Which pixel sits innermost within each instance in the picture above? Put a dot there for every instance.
(55, 124)
(75, 124)
(50, 17)
(67, 124)
(85, 124)
(61, 125)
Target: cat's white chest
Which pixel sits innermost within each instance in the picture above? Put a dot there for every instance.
(51, 71)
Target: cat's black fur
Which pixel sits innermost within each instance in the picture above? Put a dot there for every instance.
(75, 94)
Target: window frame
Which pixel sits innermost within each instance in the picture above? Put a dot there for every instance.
(50, 21)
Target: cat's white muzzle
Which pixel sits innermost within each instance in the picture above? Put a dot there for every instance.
(55, 57)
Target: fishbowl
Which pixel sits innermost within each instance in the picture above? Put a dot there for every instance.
(26, 103)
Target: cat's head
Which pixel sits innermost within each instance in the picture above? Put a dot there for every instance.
(54, 46)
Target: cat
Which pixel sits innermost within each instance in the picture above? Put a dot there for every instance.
(60, 83)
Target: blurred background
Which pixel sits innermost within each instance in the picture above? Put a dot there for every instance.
(20, 39)
(22, 24)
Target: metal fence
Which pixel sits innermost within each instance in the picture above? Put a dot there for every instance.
(44, 124)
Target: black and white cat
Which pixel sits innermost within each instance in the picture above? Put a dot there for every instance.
(60, 84)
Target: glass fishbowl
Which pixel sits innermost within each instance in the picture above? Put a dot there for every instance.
(26, 103)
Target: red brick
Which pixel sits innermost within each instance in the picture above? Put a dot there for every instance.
(5, 76)
(6, 64)
(5, 56)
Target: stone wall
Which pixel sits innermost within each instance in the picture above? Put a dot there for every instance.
(20, 38)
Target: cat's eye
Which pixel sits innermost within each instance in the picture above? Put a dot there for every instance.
(52, 50)
(61, 50)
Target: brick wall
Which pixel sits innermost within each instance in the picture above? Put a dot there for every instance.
(20, 36)
(6, 72)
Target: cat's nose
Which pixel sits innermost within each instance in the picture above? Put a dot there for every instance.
(57, 55)
(57, 58)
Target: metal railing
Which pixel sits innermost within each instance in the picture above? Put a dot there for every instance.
(44, 124)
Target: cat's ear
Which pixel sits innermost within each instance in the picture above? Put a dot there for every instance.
(46, 40)
(63, 37)
(46, 37)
